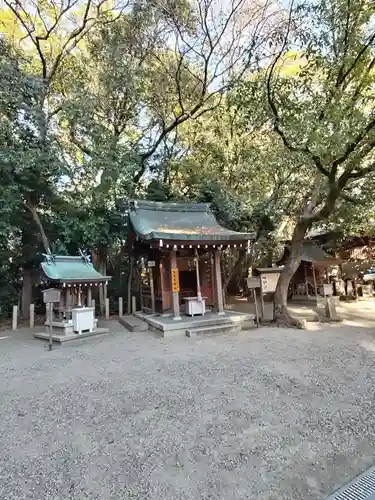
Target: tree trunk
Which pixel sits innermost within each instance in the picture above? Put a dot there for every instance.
(101, 265)
(281, 314)
(270, 256)
(237, 265)
(27, 292)
(38, 222)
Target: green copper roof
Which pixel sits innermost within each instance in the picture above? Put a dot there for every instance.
(179, 221)
(67, 268)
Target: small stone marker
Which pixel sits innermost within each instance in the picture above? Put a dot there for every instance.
(106, 308)
(120, 307)
(330, 307)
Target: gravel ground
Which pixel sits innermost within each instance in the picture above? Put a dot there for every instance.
(265, 414)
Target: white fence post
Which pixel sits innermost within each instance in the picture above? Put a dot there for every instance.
(120, 307)
(14, 318)
(32, 315)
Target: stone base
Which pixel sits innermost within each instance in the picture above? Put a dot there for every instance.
(64, 327)
(61, 339)
(167, 326)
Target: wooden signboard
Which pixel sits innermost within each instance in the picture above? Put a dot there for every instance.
(253, 282)
(175, 280)
(51, 295)
(269, 282)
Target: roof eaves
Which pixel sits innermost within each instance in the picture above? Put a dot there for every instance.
(161, 206)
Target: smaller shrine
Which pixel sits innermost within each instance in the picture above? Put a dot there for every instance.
(311, 280)
(76, 278)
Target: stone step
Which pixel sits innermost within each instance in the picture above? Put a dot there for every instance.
(305, 313)
(70, 337)
(248, 324)
(204, 330)
(133, 324)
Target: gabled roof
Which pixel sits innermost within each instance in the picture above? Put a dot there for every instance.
(314, 253)
(179, 222)
(78, 269)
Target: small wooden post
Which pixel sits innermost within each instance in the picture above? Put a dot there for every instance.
(199, 295)
(261, 297)
(68, 298)
(130, 278)
(14, 318)
(93, 305)
(218, 283)
(316, 289)
(50, 308)
(120, 307)
(213, 280)
(306, 282)
(106, 308)
(354, 288)
(32, 315)
(256, 307)
(141, 295)
(150, 271)
(89, 296)
(134, 304)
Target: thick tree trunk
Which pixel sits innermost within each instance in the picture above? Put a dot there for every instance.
(281, 314)
(27, 292)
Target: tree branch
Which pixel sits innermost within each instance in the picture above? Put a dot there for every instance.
(29, 31)
(351, 147)
(76, 142)
(364, 48)
(358, 174)
(73, 37)
(276, 117)
(349, 199)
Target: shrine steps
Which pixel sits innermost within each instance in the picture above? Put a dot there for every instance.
(209, 330)
(168, 326)
(133, 324)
